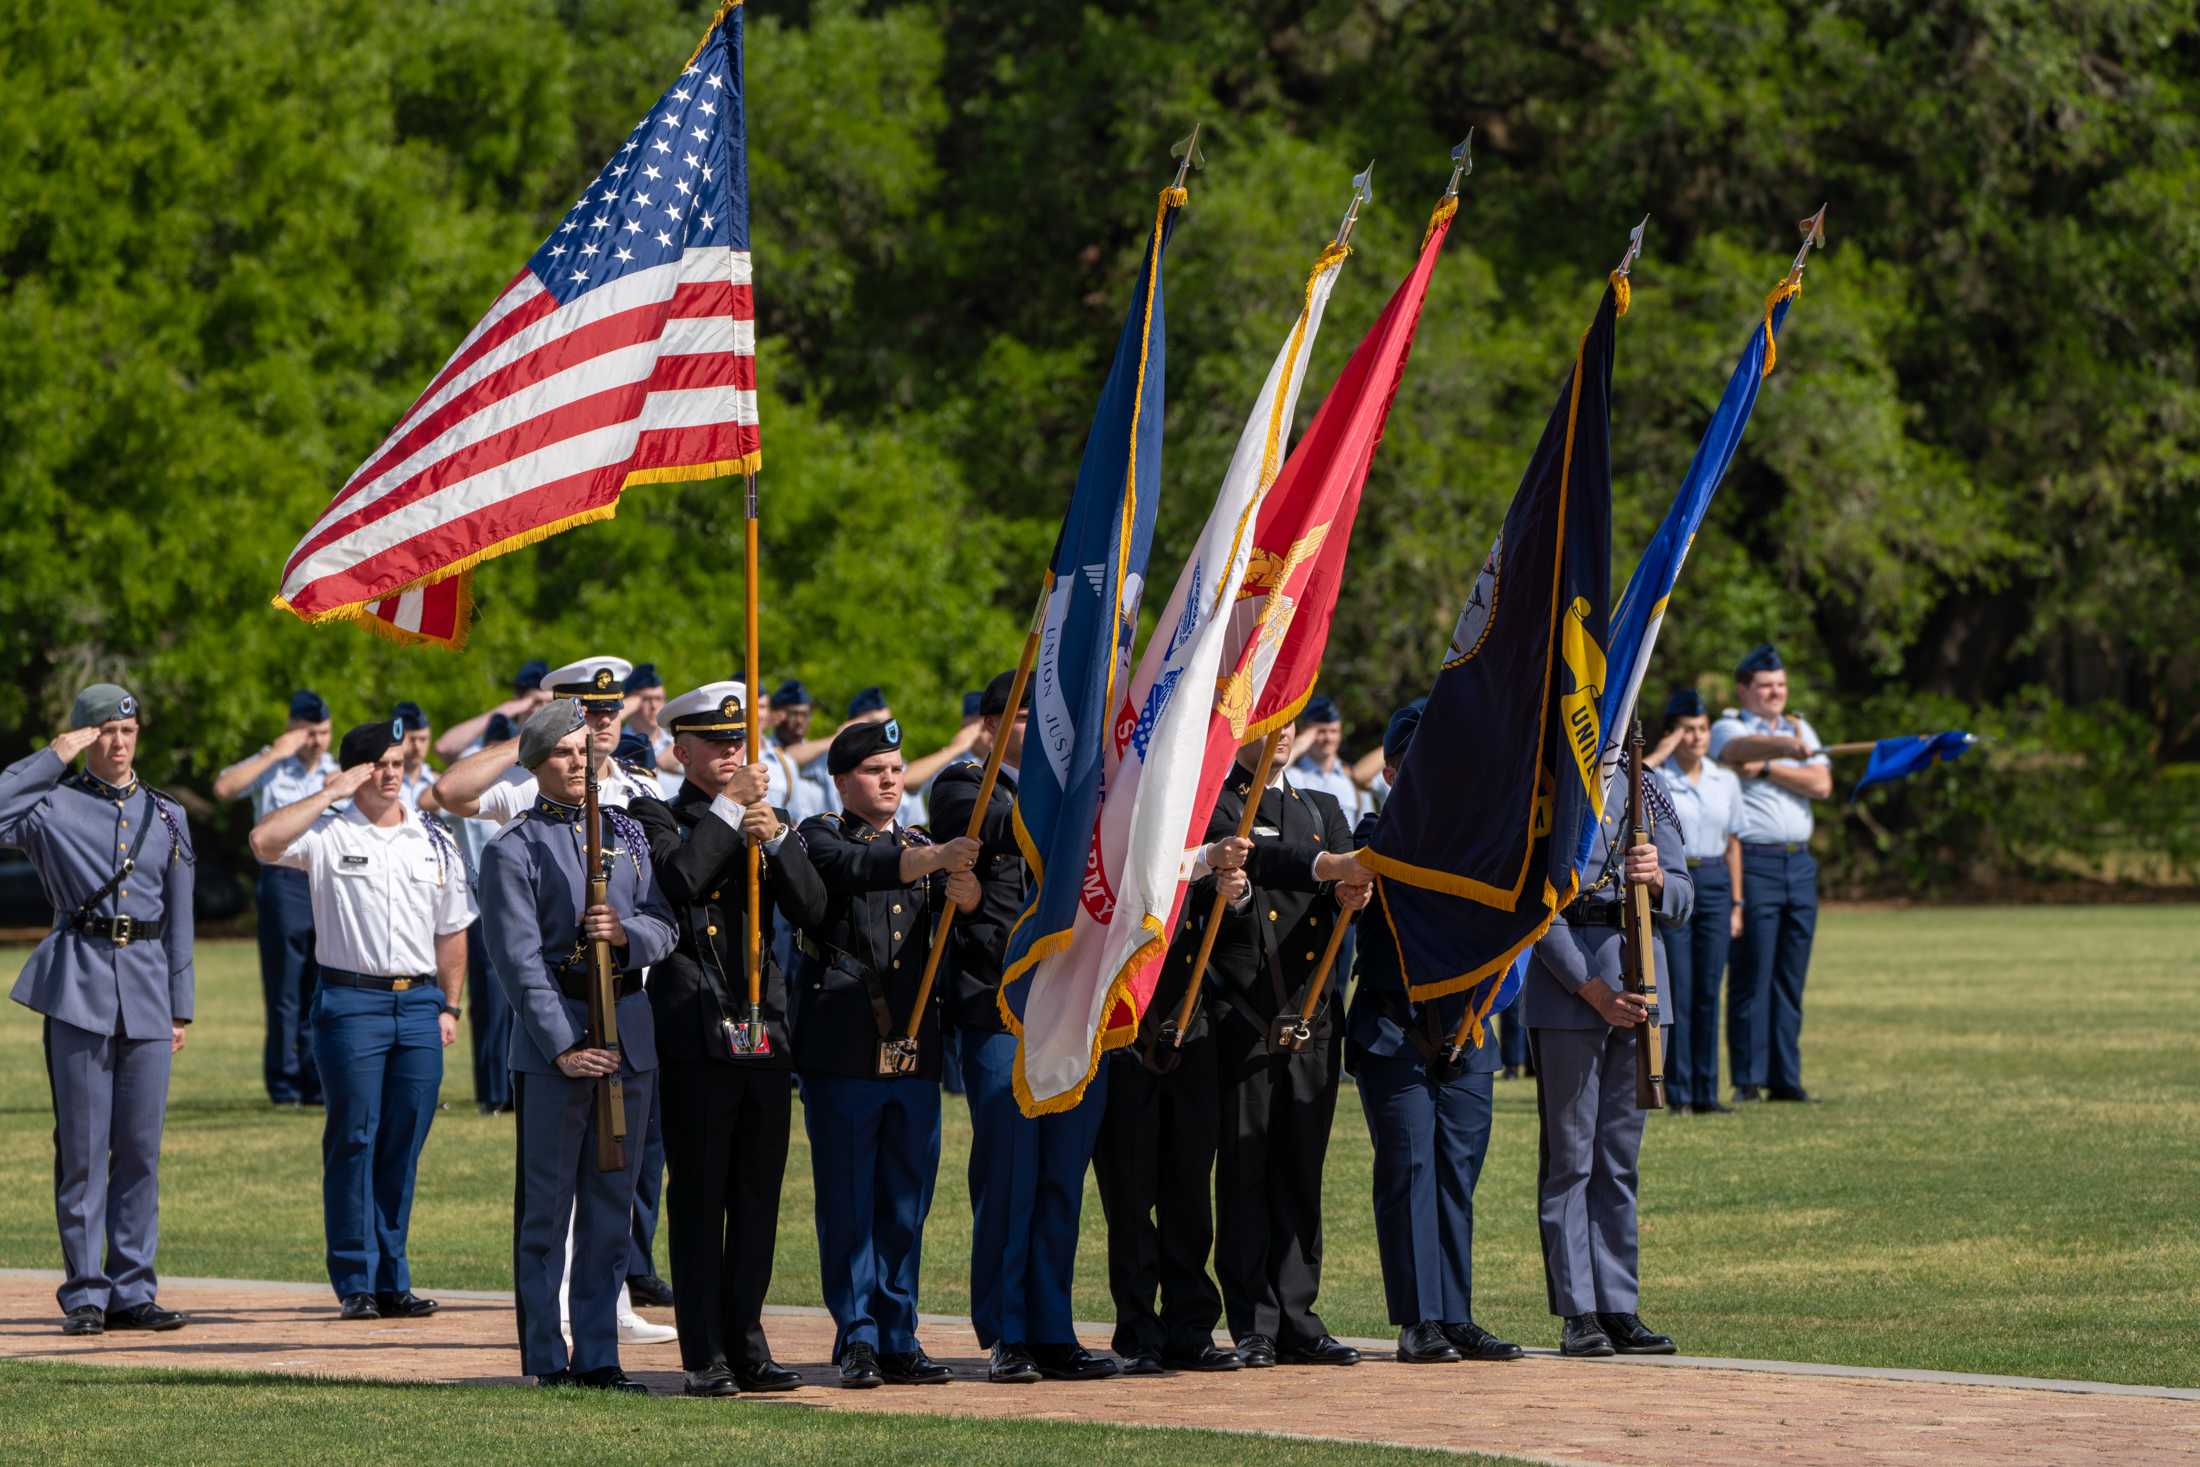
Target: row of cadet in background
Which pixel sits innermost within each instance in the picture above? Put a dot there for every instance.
(362, 1002)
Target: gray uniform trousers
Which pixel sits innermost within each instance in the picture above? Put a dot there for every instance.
(110, 1096)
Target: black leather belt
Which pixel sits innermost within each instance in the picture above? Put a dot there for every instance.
(575, 985)
(121, 931)
(1597, 914)
(345, 978)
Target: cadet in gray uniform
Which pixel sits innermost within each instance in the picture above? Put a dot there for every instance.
(1581, 1026)
(114, 981)
(533, 901)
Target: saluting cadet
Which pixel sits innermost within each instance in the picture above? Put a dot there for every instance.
(391, 905)
(1155, 1157)
(1277, 1103)
(114, 982)
(806, 790)
(534, 902)
(726, 1111)
(1708, 799)
(870, 1101)
(418, 779)
(1429, 1121)
(1027, 1176)
(1782, 769)
(1321, 734)
(296, 763)
(645, 691)
(1581, 1025)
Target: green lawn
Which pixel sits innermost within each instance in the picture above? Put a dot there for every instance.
(81, 1413)
(2002, 1176)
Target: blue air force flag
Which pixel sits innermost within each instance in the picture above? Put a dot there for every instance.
(1507, 749)
(1894, 759)
(1096, 576)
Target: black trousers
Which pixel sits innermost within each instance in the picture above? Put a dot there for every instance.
(1275, 1114)
(1155, 1163)
(725, 1134)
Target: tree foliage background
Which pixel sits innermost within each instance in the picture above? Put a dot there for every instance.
(237, 236)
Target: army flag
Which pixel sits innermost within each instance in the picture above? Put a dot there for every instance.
(1095, 578)
(1507, 750)
(1641, 609)
(623, 353)
(1085, 998)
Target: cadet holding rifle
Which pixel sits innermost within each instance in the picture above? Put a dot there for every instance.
(540, 931)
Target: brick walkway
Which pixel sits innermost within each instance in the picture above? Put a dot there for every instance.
(1543, 1408)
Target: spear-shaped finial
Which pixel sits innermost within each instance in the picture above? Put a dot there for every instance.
(1462, 164)
(1814, 237)
(1634, 248)
(1363, 189)
(1187, 149)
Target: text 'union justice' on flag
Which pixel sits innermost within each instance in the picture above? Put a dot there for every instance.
(1466, 864)
(624, 353)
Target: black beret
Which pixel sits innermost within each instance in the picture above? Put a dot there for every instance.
(1763, 657)
(307, 706)
(1398, 733)
(1685, 703)
(859, 741)
(411, 717)
(368, 742)
(993, 702)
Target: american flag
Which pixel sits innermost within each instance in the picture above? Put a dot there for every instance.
(624, 353)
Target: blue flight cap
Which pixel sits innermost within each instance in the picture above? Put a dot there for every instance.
(1398, 733)
(791, 694)
(971, 701)
(1685, 703)
(633, 748)
(1320, 708)
(410, 716)
(643, 676)
(530, 675)
(870, 700)
(500, 728)
(1763, 657)
(307, 706)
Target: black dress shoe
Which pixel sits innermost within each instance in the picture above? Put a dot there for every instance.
(1143, 1365)
(1630, 1336)
(1797, 1094)
(711, 1380)
(1256, 1352)
(1713, 1108)
(1328, 1350)
(1073, 1362)
(1424, 1344)
(1205, 1358)
(85, 1319)
(610, 1378)
(1745, 1094)
(145, 1316)
(913, 1367)
(359, 1306)
(859, 1368)
(407, 1305)
(1476, 1343)
(1511, 1072)
(647, 1288)
(766, 1375)
(1011, 1365)
(1584, 1338)
(557, 1378)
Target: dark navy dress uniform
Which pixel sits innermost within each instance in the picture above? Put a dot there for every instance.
(874, 1140)
(532, 897)
(1276, 1107)
(110, 983)
(726, 1118)
(284, 906)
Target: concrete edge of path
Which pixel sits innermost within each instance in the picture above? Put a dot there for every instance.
(1669, 1362)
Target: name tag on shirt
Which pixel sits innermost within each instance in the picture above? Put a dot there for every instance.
(357, 863)
(1267, 830)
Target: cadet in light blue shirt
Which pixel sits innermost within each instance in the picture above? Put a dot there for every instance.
(1782, 769)
(291, 768)
(1708, 799)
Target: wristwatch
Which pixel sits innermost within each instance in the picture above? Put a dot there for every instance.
(451, 1008)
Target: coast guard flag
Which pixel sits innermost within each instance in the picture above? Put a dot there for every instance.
(1507, 750)
(624, 353)
(1095, 579)
(1894, 759)
(1086, 998)
(1641, 608)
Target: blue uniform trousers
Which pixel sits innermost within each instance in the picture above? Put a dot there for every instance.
(288, 976)
(649, 1191)
(1512, 1038)
(1695, 963)
(381, 1059)
(1429, 1143)
(490, 1024)
(1027, 1184)
(557, 1183)
(109, 1097)
(1764, 1005)
(875, 1154)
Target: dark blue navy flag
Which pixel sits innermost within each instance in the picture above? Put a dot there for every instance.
(1096, 577)
(1894, 759)
(1508, 744)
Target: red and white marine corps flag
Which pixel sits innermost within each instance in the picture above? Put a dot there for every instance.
(624, 353)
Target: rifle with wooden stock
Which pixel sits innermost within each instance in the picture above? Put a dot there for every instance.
(1638, 944)
(603, 993)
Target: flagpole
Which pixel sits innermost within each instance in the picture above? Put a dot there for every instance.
(751, 1037)
(1296, 1039)
(1176, 1027)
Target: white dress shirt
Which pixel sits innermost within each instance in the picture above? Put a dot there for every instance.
(1710, 806)
(381, 894)
(617, 787)
(1771, 814)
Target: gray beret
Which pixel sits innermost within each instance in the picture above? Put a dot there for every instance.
(545, 727)
(100, 703)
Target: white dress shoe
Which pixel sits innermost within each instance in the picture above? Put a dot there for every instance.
(635, 1330)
